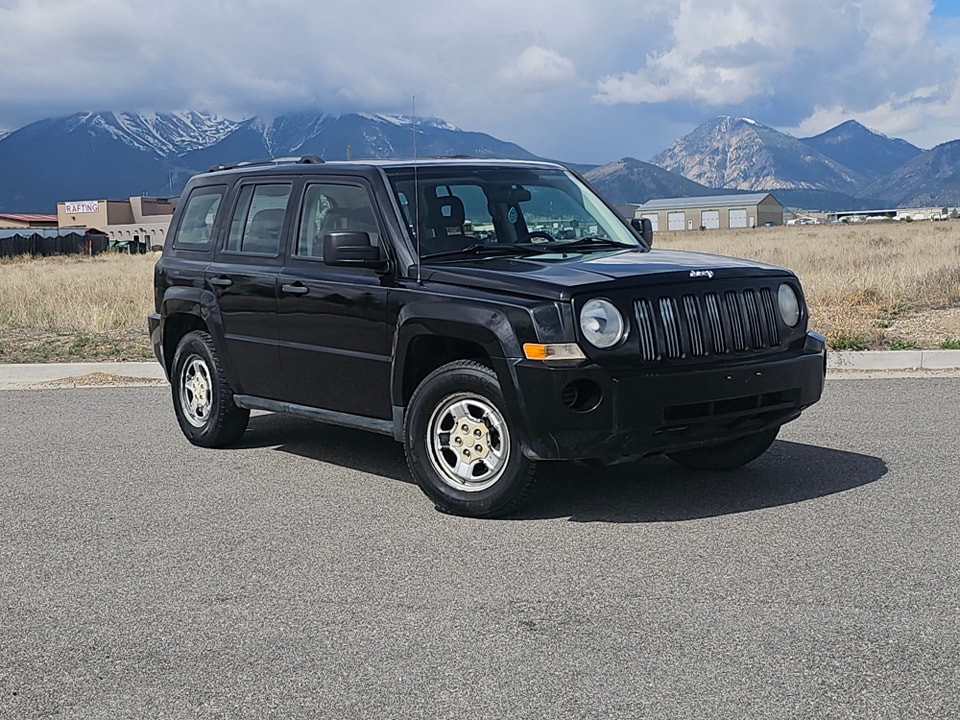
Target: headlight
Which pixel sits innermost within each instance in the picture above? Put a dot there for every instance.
(601, 323)
(789, 305)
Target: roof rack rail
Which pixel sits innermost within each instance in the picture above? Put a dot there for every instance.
(293, 159)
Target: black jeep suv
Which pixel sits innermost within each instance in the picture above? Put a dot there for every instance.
(488, 314)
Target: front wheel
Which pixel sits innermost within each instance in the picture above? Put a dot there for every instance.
(202, 398)
(459, 444)
(729, 455)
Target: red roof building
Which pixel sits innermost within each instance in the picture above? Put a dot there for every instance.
(27, 220)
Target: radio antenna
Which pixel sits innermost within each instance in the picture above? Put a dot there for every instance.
(416, 188)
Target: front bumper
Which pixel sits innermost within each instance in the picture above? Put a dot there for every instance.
(659, 410)
(156, 338)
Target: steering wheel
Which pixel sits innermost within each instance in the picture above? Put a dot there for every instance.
(540, 234)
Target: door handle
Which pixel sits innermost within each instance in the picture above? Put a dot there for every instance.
(294, 289)
(220, 281)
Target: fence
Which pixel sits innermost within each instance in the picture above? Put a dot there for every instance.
(45, 246)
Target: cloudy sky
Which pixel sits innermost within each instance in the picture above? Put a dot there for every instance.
(577, 80)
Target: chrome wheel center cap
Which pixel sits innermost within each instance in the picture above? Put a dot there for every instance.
(471, 440)
(200, 390)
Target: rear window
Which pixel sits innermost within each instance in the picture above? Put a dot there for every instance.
(258, 219)
(199, 216)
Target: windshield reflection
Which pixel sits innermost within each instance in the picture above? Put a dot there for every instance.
(500, 211)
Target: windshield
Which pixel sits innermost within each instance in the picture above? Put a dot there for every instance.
(499, 208)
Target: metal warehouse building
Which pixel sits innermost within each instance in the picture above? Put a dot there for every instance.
(712, 212)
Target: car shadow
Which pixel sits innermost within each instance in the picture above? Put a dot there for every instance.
(655, 490)
(356, 449)
(659, 490)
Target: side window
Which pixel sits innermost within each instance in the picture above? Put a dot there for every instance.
(327, 208)
(196, 227)
(258, 219)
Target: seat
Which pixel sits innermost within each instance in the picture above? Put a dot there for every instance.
(444, 226)
(263, 233)
(359, 219)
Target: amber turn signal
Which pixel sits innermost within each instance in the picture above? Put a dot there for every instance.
(563, 351)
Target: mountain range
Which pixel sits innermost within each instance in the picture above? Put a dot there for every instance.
(116, 154)
(848, 167)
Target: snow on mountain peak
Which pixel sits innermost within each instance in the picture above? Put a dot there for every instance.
(166, 134)
(407, 120)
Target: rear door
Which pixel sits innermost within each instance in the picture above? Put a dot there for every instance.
(332, 321)
(244, 278)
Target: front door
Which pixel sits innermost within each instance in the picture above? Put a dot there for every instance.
(332, 321)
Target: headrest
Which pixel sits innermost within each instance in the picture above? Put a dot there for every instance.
(270, 216)
(510, 195)
(362, 215)
(446, 211)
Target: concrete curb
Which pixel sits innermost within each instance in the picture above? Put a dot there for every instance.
(894, 360)
(27, 375)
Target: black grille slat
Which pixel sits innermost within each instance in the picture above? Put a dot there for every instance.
(716, 323)
(704, 324)
(735, 319)
(753, 318)
(646, 329)
(671, 327)
(773, 332)
(691, 311)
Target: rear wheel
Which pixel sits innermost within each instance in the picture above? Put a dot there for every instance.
(202, 398)
(459, 444)
(729, 455)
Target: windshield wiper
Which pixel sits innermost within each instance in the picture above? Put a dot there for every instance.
(591, 242)
(481, 249)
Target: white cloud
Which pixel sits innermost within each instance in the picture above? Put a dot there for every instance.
(816, 52)
(537, 66)
(580, 79)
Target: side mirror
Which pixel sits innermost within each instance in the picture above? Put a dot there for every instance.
(645, 227)
(351, 248)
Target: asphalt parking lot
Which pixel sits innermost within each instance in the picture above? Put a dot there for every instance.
(302, 575)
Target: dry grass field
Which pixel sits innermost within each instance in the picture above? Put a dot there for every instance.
(869, 286)
(882, 286)
(76, 308)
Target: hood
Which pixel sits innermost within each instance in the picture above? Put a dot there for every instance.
(560, 275)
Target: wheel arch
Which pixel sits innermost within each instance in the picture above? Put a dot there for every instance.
(187, 309)
(436, 333)
(431, 335)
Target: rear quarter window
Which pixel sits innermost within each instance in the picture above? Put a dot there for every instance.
(195, 231)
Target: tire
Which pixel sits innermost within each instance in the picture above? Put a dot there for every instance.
(202, 399)
(458, 403)
(729, 455)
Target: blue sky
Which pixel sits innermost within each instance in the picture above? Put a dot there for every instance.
(578, 80)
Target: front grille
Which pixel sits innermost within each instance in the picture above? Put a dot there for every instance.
(706, 324)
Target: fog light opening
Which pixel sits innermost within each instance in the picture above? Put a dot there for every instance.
(581, 395)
